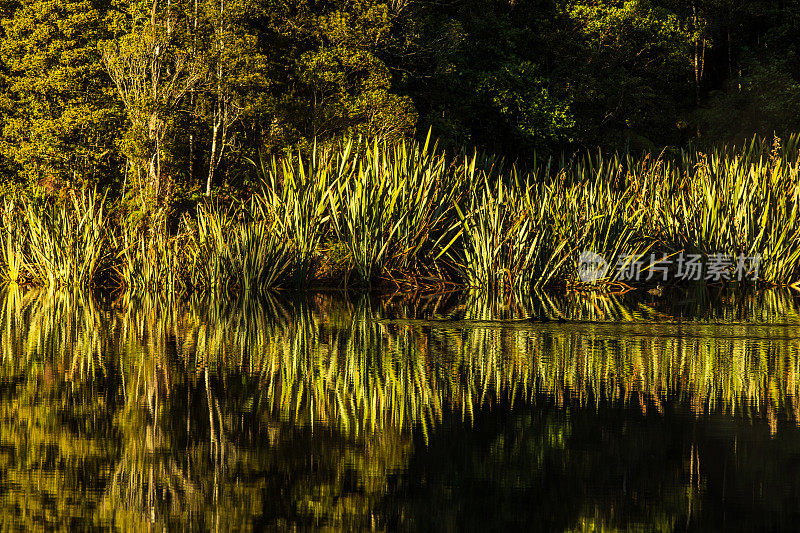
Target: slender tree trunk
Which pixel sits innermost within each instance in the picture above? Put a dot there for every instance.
(698, 60)
(192, 129)
(212, 160)
(191, 146)
(730, 62)
(696, 56)
(219, 128)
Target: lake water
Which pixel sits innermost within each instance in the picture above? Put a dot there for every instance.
(677, 412)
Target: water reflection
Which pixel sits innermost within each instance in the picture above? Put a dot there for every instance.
(399, 412)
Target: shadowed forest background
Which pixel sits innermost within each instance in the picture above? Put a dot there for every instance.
(174, 96)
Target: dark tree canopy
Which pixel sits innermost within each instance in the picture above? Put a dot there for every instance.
(155, 94)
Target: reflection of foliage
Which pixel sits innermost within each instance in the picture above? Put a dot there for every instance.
(53, 433)
(295, 412)
(55, 420)
(354, 379)
(60, 327)
(183, 417)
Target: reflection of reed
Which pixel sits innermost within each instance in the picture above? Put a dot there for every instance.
(370, 377)
(710, 368)
(64, 329)
(52, 429)
(167, 398)
(354, 378)
(331, 363)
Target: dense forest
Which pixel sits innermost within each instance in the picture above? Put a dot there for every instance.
(182, 96)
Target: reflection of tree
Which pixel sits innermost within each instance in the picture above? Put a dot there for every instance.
(236, 413)
(573, 468)
(57, 448)
(57, 440)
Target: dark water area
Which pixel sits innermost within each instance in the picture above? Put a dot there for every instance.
(642, 412)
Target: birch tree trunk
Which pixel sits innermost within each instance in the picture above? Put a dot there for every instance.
(225, 110)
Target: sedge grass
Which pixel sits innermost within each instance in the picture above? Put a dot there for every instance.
(407, 210)
(363, 210)
(55, 243)
(240, 248)
(296, 197)
(13, 237)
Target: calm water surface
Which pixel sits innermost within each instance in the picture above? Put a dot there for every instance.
(439, 413)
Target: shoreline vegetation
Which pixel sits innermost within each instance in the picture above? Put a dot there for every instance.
(406, 214)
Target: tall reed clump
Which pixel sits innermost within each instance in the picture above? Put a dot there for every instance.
(296, 195)
(67, 242)
(429, 187)
(522, 232)
(590, 213)
(13, 239)
(238, 248)
(150, 259)
(363, 208)
(505, 236)
(408, 211)
(392, 206)
(744, 204)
